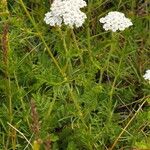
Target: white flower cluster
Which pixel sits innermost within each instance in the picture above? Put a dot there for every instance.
(67, 12)
(115, 21)
(146, 76)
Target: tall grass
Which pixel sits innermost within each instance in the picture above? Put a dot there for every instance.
(73, 89)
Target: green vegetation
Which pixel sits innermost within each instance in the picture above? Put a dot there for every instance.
(80, 89)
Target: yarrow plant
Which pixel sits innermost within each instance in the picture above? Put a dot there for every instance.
(115, 21)
(67, 12)
(146, 76)
(58, 84)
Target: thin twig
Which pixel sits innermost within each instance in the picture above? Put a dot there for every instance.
(20, 133)
(124, 129)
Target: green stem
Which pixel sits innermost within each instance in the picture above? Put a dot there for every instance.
(77, 105)
(76, 44)
(68, 60)
(89, 41)
(80, 115)
(106, 65)
(115, 79)
(89, 35)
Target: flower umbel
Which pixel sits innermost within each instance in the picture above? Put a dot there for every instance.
(146, 76)
(67, 12)
(115, 21)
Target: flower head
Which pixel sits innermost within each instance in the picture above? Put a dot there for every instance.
(115, 21)
(67, 12)
(146, 76)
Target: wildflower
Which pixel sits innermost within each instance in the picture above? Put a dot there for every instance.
(146, 76)
(115, 21)
(67, 12)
